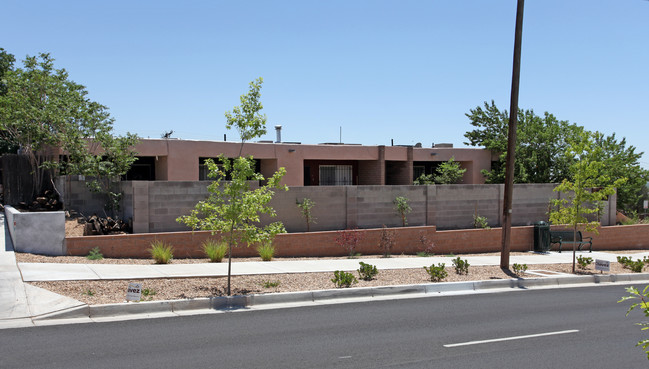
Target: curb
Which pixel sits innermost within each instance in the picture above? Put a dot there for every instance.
(226, 303)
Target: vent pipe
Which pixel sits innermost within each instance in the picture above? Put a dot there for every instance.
(278, 130)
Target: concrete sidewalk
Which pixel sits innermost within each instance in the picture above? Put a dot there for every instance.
(32, 272)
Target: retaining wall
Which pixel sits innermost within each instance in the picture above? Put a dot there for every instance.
(154, 205)
(187, 244)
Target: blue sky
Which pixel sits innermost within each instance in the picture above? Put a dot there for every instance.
(381, 70)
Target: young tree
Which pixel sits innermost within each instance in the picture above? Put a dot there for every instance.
(305, 206)
(583, 195)
(402, 206)
(233, 208)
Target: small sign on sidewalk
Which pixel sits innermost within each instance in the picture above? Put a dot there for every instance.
(603, 265)
(134, 292)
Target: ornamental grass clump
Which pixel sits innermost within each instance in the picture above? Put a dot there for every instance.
(161, 252)
(266, 250)
(215, 250)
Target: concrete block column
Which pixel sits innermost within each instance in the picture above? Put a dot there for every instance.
(140, 206)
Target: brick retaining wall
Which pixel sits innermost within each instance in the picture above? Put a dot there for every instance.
(187, 244)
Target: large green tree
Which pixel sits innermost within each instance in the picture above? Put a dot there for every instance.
(541, 143)
(42, 111)
(543, 153)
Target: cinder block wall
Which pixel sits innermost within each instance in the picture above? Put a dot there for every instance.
(155, 205)
(322, 244)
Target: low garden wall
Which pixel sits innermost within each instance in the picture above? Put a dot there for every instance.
(36, 232)
(322, 244)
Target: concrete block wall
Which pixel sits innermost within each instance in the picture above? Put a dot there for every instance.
(36, 232)
(375, 206)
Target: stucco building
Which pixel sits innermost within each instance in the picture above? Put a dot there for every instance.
(307, 165)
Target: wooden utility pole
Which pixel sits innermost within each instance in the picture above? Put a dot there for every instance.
(511, 140)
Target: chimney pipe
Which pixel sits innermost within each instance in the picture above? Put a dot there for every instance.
(278, 130)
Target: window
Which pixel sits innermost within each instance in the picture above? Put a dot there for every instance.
(417, 171)
(335, 175)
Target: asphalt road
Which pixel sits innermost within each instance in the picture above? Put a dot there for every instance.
(410, 333)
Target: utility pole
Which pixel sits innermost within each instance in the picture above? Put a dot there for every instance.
(511, 141)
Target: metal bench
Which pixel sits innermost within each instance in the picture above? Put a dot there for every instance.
(567, 237)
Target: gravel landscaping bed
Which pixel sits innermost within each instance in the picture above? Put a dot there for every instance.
(103, 292)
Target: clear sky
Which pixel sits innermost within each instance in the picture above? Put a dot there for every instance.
(403, 70)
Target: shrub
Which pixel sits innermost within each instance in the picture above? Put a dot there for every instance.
(95, 254)
(584, 262)
(215, 250)
(367, 271)
(161, 252)
(426, 245)
(387, 241)
(266, 250)
(480, 222)
(349, 239)
(343, 279)
(437, 273)
(519, 268)
(270, 284)
(628, 263)
(461, 266)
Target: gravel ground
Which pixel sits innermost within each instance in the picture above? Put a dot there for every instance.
(104, 292)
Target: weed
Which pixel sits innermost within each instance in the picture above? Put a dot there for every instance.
(266, 250)
(451, 255)
(88, 292)
(215, 250)
(519, 268)
(147, 292)
(367, 271)
(424, 254)
(95, 254)
(270, 284)
(387, 241)
(343, 279)
(461, 266)
(584, 262)
(437, 273)
(161, 252)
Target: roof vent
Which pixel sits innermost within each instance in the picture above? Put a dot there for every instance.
(278, 130)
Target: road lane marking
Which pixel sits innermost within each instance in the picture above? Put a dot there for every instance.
(511, 338)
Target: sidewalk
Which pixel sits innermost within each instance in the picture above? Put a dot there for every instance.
(23, 305)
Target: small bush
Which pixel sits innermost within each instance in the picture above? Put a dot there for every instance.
(519, 268)
(387, 241)
(270, 284)
(95, 254)
(161, 252)
(436, 273)
(628, 263)
(343, 279)
(349, 239)
(461, 266)
(266, 250)
(624, 260)
(426, 245)
(480, 222)
(215, 250)
(584, 262)
(367, 271)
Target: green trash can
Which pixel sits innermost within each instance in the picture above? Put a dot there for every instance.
(541, 237)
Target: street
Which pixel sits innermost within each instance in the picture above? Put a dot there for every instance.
(573, 327)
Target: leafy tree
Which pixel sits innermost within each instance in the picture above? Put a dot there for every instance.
(583, 195)
(621, 161)
(449, 172)
(6, 64)
(540, 144)
(233, 208)
(643, 304)
(402, 206)
(43, 111)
